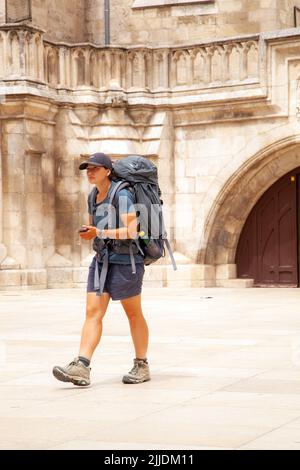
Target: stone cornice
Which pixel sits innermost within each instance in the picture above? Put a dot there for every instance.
(21, 26)
(212, 42)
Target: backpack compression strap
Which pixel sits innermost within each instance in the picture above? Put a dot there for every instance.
(99, 279)
(167, 243)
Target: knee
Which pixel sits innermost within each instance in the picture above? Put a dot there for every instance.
(93, 313)
(133, 316)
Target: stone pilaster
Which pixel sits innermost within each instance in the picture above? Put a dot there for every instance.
(28, 203)
(3, 249)
(69, 145)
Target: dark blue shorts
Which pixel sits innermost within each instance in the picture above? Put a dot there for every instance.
(120, 283)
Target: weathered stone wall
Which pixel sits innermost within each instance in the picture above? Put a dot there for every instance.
(197, 22)
(95, 21)
(2, 11)
(63, 20)
(286, 13)
(83, 20)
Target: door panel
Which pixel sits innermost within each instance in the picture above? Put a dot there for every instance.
(267, 250)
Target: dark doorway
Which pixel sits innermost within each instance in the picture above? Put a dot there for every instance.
(268, 248)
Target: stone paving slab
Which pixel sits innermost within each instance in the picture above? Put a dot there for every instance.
(225, 367)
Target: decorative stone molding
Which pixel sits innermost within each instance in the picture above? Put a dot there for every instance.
(116, 74)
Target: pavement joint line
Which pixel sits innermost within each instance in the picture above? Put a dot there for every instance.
(153, 446)
(248, 378)
(268, 432)
(127, 339)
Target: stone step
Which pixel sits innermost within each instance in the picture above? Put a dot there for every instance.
(235, 283)
(187, 275)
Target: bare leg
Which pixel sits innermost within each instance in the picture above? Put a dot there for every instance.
(138, 326)
(96, 307)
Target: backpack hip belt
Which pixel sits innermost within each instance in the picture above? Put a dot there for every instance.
(130, 247)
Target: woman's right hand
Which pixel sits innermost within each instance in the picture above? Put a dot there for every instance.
(90, 234)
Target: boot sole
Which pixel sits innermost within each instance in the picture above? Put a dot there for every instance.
(132, 381)
(62, 377)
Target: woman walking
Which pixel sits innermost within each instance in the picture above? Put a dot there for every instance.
(113, 255)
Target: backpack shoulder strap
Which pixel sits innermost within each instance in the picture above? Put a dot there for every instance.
(120, 185)
(91, 198)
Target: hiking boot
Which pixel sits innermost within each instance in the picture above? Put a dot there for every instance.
(138, 374)
(75, 372)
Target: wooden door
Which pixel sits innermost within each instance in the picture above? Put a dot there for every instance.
(268, 247)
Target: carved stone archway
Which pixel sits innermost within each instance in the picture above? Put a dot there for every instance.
(240, 194)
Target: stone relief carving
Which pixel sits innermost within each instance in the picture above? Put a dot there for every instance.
(116, 99)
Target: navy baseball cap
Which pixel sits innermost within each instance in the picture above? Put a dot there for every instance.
(97, 159)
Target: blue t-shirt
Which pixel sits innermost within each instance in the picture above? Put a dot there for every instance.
(99, 213)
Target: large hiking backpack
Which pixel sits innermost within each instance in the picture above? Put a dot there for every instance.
(139, 175)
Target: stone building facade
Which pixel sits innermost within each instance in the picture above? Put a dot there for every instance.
(209, 90)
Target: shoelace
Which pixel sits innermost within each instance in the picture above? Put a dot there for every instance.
(74, 363)
(135, 368)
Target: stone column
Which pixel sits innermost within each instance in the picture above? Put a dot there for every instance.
(244, 61)
(142, 69)
(17, 53)
(62, 66)
(87, 68)
(208, 65)
(107, 68)
(2, 56)
(165, 68)
(74, 69)
(226, 70)
(158, 69)
(189, 68)
(129, 71)
(117, 74)
(40, 56)
(68, 62)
